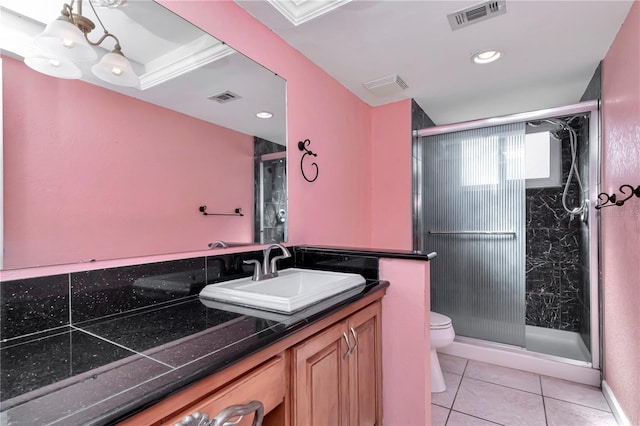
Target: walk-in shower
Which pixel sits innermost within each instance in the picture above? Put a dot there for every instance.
(270, 192)
(508, 204)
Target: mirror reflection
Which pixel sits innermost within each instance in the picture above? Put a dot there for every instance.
(95, 171)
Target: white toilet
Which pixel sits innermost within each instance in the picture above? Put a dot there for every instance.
(442, 334)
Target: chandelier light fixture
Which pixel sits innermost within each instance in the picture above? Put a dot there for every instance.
(65, 41)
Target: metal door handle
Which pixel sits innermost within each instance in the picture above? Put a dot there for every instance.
(355, 338)
(509, 232)
(346, 340)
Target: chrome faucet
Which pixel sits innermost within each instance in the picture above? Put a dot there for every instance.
(269, 269)
(270, 272)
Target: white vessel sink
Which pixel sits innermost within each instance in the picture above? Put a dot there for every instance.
(292, 290)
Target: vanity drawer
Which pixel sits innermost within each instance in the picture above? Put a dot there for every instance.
(265, 384)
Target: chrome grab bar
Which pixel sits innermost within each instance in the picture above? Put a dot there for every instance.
(472, 232)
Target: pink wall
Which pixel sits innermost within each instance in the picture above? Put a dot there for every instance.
(336, 208)
(406, 373)
(90, 173)
(621, 225)
(391, 177)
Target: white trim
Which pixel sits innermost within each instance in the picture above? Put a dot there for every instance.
(574, 371)
(300, 11)
(616, 409)
(182, 60)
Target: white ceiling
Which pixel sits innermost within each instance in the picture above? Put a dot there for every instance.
(179, 65)
(551, 50)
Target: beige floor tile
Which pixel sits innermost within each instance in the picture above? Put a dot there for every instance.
(439, 415)
(452, 364)
(574, 392)
(499, 404)
(460, 419)
(561, 413)
(504, 376)
(445, 399)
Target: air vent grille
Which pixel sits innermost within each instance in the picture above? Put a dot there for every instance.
(386, 85)
(225, 97)
(476, 13)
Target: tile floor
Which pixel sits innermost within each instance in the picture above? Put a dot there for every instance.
(485, 394)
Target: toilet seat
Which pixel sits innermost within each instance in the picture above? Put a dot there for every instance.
(439, 321)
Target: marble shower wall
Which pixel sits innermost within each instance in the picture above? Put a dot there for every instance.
(557, 274)
(274, 187)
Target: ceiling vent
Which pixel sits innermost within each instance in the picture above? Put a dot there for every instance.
(477, 13)
(225, 97)
(386, 85)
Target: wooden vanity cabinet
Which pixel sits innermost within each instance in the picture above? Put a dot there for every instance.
(326, 374)
(336, 374)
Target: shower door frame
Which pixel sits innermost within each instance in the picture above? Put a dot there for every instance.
(592, 107)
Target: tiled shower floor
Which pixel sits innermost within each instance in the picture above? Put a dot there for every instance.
(485, 394)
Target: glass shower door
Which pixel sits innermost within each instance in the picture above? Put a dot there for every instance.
(469, 206)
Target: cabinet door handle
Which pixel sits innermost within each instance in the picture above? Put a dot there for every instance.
(346, 340)
(201, 419)
(355, 339)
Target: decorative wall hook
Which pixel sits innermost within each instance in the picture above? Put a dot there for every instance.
(612, 200)
(302, 146)
(237, 212)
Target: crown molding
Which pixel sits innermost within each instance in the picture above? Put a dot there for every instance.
(301, 11)
(189, 57)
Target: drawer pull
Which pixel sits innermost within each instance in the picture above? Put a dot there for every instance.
(195, 419)
(234, 423)
(201, 419)
(240, 410)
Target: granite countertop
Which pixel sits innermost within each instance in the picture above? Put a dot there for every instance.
(101, 371)
(378, 252)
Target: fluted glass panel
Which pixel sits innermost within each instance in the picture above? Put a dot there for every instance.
(472, 212)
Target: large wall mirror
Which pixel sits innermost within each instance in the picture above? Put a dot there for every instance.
(94, 171)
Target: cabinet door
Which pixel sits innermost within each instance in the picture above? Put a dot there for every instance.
(365, 378)
(320, 379)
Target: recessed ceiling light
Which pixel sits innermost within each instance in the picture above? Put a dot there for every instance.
(264, 114)
(486, 57)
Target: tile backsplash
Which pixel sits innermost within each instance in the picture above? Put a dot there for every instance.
(43, 304)
(32, 305)
(52, 304)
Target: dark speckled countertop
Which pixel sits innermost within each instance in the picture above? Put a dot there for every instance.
(100, 371)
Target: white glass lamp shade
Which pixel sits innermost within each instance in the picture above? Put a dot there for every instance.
(64, 40)
(114, 68)
(53, 67)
